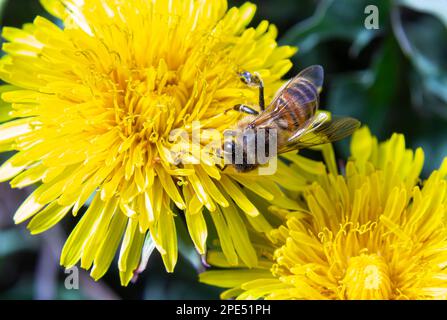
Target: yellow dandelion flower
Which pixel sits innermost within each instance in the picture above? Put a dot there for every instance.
(92, 107)
(375, 232)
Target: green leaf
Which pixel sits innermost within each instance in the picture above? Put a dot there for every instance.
(341, 19)
(423, 42)
(13, 241)
(438, 8)
(369, 95)
(2, 9)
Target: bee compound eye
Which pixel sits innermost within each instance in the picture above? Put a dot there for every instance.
(245, 77)
(229, 146)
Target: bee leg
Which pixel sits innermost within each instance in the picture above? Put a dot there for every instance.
(244, 109)
(261, 91)
(254, 80)
(222, 168)
(219, 154)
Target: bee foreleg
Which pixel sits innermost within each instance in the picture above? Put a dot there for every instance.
(245, 109)
(222, 167)
(254, 80)
(261, 91)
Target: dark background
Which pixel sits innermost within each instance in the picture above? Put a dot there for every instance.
(393, 79)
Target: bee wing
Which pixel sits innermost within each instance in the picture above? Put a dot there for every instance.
(299, 97)
(313, 74)
(320, 130)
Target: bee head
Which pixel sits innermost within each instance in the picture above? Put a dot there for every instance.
(239, 145)
(229, 147)
(252, 80)
(245, 77)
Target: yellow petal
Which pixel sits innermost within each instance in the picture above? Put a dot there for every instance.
(257, 188)
(223, 233)
(107, 249)
(98, 233)
(240, 237)
(238, 196)
(201, 193)
(196, 225)
(168, 240)
(235, 278)
(130, 252)
(8, 170)
(210, 187)
(71, 252)
(47, 218)
(31, 205)
(170, 188)
(13, 129)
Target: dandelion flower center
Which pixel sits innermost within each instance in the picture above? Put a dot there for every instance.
(367, 278)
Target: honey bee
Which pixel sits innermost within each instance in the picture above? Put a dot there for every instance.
(292, 115)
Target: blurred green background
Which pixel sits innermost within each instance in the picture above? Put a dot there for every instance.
(394, 79)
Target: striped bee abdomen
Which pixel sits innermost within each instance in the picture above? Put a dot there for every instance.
(296, 104)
